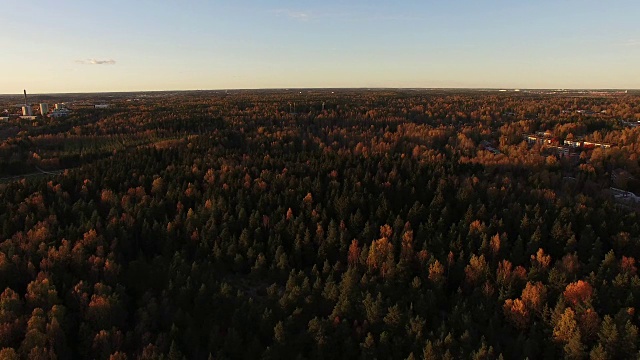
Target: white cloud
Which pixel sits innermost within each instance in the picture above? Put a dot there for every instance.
(341, 16)
(629, 43)
(96, 62)
(297, 15)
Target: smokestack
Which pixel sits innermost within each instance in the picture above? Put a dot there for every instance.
(25, 97)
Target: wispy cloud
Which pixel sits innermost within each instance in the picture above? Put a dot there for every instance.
(96, 62)
(341, 16)
(296, 15)
(630, 42)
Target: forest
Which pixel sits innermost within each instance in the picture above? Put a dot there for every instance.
(312, 224)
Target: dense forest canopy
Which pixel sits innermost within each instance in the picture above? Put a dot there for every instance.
(322, 224)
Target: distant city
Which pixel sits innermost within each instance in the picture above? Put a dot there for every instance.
(31, 111)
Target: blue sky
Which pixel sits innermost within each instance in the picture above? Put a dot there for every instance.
(116, 45)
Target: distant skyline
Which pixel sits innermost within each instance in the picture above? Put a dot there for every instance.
(142, 45)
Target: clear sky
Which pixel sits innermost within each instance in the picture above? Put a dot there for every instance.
(117, 45)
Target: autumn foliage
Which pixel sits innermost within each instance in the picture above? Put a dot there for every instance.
(385, 224)
(578, 293)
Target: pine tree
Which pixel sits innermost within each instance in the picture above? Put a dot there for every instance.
(566, 328)
(609, 337)
(174, 352)
(429, 352)
(574, 349)
(598, 353)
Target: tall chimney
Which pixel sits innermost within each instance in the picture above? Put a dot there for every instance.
(25, 98)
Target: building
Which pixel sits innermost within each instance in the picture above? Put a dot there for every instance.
(537, 139)
(101, 106)
(592, 144)
(546, 134)
(4, 118)
(561, 150)
(487, 146)
(534, 139)
(59, 106)
(631, 124)
(26, 109)
(44, 109)
(573, 143)
(59, 113)
(625, 196)
(586, 144)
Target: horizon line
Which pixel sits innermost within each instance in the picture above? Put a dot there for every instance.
(512, 89)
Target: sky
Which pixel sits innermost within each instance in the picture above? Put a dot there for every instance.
(115, 45)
